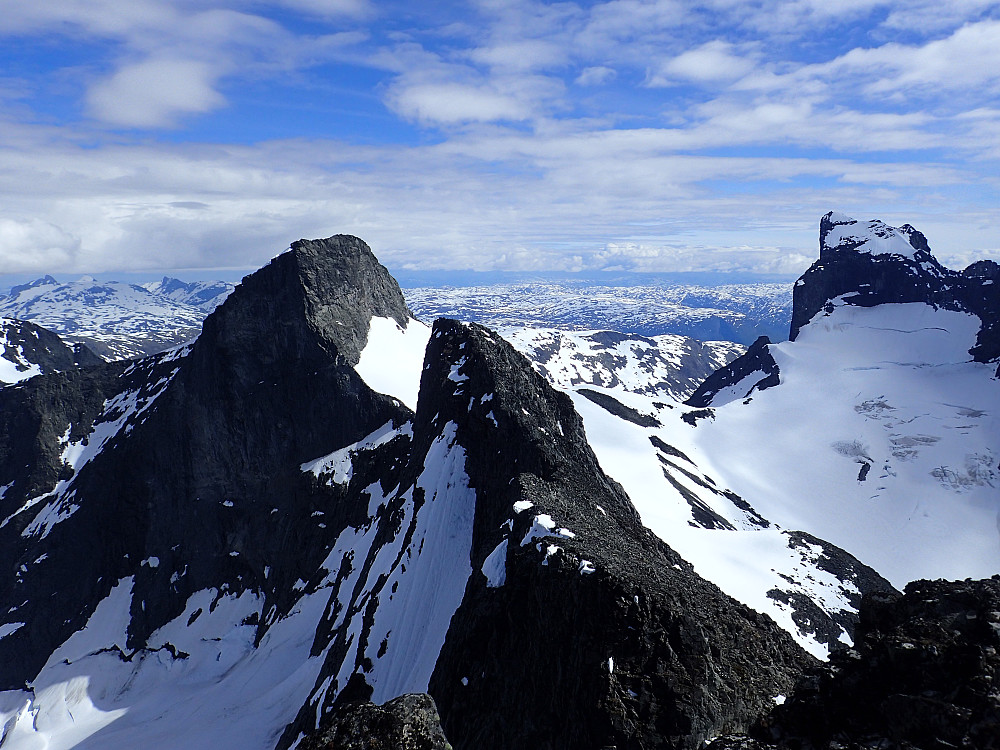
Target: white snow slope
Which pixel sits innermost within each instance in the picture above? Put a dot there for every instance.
(892, 387)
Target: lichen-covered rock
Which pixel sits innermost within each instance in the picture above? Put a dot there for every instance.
(409, 722)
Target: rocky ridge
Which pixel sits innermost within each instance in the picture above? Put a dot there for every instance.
(29, 350)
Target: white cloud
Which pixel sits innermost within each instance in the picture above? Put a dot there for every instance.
(34, 245)
(523, 54)
(329, 8)
(712, 62)
(647, 257)
(154, 93)
(966, 60)
(933, 16)
(524, 171)
(597, 75)
(451, 103)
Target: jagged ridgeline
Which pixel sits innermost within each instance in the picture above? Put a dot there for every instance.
(206, 547)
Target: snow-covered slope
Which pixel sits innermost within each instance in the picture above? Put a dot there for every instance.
(116, 320)
(736, 312)
(892, 449)
(873, 431)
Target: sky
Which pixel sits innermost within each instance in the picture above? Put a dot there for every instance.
(195, 137)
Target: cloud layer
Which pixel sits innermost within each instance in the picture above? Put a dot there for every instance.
(636, 134)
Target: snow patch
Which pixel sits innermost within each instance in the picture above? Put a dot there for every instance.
(393, 357)
(495, 566)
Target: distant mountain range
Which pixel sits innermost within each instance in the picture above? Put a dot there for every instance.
(732, 312)
(121, 321)
(114, 319)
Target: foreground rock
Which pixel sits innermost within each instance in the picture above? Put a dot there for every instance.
(922, 675)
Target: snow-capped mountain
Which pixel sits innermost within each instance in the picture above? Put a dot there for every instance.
(216, 544)
(206, 295)
(114, 319)
(734, 312)
(27, 350)
(322, 501)
(896, 394)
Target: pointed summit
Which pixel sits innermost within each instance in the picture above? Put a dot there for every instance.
(312, 302)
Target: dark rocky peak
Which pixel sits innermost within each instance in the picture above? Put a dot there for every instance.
(576, 618)
(869, 263)
(755, 370)
(503, 407)
(193, 457)
(308, 305)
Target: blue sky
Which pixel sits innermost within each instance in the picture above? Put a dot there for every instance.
(188, 136)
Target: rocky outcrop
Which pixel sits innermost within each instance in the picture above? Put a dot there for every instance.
(922, 675)
(755, 370)
(24, 344)
(579, 628)
(409, 722)
(857, 580)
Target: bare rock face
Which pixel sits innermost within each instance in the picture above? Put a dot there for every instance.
(191, 457)
(409, 722)
(922, 674)
(306, 306)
